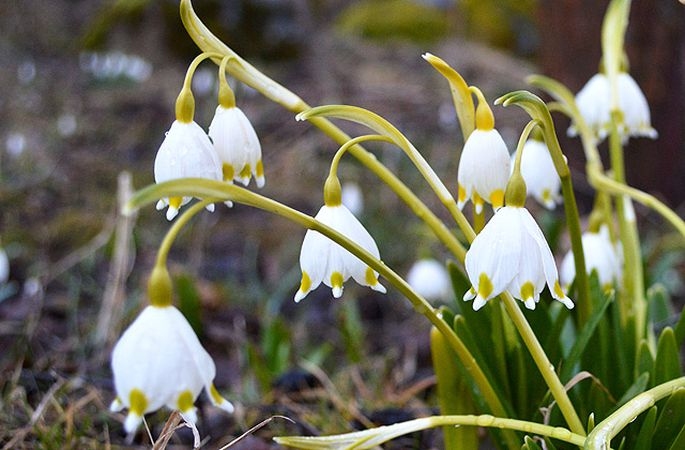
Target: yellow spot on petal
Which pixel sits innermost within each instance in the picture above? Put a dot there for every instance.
(484, 286)
(259, 170)
(370, 277)
(497, 198)
(175, 202)
(527, 291)
(137, 402)
(216, 397)
(336, 280)
(461, 193)
(558, 291)
(185, 401)
(546, 195)
(477, 200)
(306, 283)
(246, 172)
(227, 171)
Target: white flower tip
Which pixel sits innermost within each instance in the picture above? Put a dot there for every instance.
(226, 406)
(478, 303)
(379, 288)
(299, 295)
(116, 405)
(160, 204)
(530, 304)
(337, 291)
(460, 204)
(190, 415)
(479, 208)
(567, 302)
(228, 203)
(261, 181)
(132, 421)
(210, 207)
(469, 295)
(171, 212)
(245, 181)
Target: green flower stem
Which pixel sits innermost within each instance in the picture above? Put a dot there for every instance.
(352, 142)
(185, 102)
(371, 438)
(545, 367)
(249, 75)
(179, 223)
(600, 437)
(159, 285)
(538, 111)
(220, 191)
(632, 300)
(382, 126)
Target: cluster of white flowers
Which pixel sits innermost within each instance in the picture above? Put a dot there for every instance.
(230, 152)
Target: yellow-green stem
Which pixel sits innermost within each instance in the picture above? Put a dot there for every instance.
(632, 298)
(600, 437)
(374, 437)
(179, 223)
(545, 367)
(219, 191)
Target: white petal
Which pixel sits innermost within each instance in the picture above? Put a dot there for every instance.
(236, 142)
(495, 251)
(484, 165)
(539, 173)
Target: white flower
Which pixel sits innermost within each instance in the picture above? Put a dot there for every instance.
(430, 279)
(511, 254)
(539, 173)
(483, 169)
(323, 260)
(600, 255)
(185, 152)
(594, 103)
(159, 361)
(237, 145)
(4, 267)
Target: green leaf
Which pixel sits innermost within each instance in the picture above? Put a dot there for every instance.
(667, 365)
(645, 360)
(644, 437)
(639, 386)
(584, 337)
(680, 329)
(670, 422)
(679, 441)
(659, 307)
(454, 396)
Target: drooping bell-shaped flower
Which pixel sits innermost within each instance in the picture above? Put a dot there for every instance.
(237, 146)
(537, 169)
(323, 260)
(484, 165)
(594, 104)
(159, 361)
(186, 152)
(600, 255)
(511, 254)
(430, 279)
